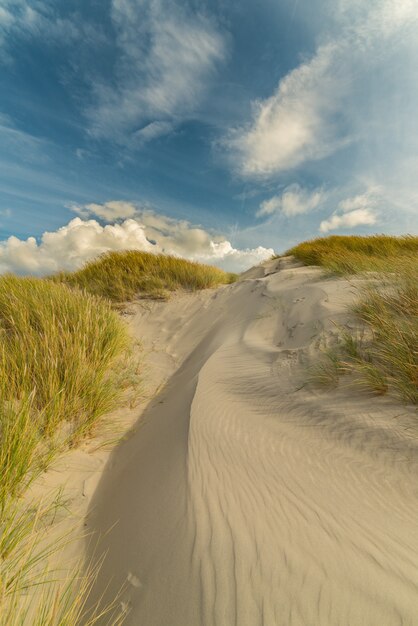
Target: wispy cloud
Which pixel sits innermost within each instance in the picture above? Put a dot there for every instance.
(6, 18)
(167, 55)
(359, 217)
(359, 210)
(308, 117)
(295, 124)
(108, 211)
(19, 143)
(293, 201)
(41, 19)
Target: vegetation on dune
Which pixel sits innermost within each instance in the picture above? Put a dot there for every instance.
(31, 593)
(353, 254)
(123, 276)
(57, 349)
(58, 345)
(382, 355)
(390, 350)
(62, 363)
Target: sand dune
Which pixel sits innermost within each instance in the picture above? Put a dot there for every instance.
(244, 498)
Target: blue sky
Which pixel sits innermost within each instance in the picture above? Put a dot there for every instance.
(217, 130)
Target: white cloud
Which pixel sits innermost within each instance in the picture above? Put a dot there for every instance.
(153, 131)
(358, 217)
(361, 201)
(358, 210)
(69, 246)
(167, 56)
(25, 20)
(308, 117)
(293, 125)
(376, 18)
(82, 240)
(179, 237)
(293, 201)
(108, 211)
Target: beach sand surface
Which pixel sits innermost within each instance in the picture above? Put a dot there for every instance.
(243, 497)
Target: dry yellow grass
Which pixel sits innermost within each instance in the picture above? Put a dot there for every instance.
(353, 254)
(33, 594)
(123, 276)
(56, 350)
(61, 348)
(383, 356)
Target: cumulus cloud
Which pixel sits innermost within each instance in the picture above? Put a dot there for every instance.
(351, 212)
(167, 56)
(307, 118)
(82, 240)
(293, 201)
(70, 246)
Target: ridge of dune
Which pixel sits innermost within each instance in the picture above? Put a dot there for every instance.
(243, 498)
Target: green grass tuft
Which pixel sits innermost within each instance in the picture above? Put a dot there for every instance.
(123, 276)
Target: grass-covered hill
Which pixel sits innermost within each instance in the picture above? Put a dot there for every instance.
(383, 355)
(122, 276)
(351, 254)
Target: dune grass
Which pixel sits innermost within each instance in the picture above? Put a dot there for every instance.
(32, 593)
(62, 366)
(383, 354)
(123, 276)
(354, 254)
(57, 346)
(60, 354)
(387, 356)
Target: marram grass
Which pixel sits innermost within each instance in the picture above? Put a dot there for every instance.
(31, 592)
(62, 356)
(382, 355)
(123, 276)
(354, 254)
(60, 352)
(57, 347)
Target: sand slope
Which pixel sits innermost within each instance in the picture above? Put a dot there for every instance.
(242, 498)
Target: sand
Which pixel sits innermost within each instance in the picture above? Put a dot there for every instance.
(245, 498)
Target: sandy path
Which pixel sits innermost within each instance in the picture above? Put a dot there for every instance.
(244, 500)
